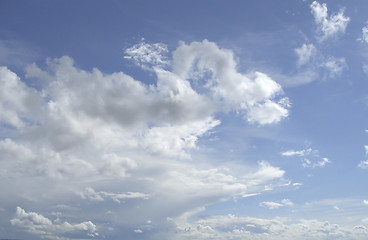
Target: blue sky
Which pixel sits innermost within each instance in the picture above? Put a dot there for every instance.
(183, 120)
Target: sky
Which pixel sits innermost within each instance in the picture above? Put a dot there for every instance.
(124, 120)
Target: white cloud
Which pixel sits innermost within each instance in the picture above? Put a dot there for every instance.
(271, 205)
(18, 102)
(45, 228)
(174, 141)
(364, 37)
(309, 157)
(306, 163)
(287, 202)
(300, 153)
(251, 93)
(148, 55)
(363, 164)
(115, 110)
(275, 205)
(110, 138)
(266, 113)
(235, 227)
(328, 26)
(365, 202)
(334, 66)
(305, 53)
(91, 194)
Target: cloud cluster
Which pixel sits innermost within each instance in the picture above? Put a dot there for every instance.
(328, 26)
(112, 138)
(235, 227)
(310, 158)
(311, 62)
(45, 228)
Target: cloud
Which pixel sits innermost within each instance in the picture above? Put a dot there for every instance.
(309, 157)
(322, 163)
(174, 141)
(39, 225)
(91, 194)
(117, 166)
(110, 138)
(275, 205)
(334, 66)
(27, 160)
(268, 112)
(299, 153)
(364, 37)
(328, 26)
(236, 227)
(148, 55)
(271, 205)
(305, 53)
(363, 164)
(19, 103)
(250, 94)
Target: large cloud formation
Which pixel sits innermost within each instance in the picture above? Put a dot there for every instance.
(107, 150)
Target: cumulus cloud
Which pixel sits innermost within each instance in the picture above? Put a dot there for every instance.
(91, 133)
(117, 166)
(18, 102)
(39, 225)
(174, 141)
(328, 26)
(251, 94)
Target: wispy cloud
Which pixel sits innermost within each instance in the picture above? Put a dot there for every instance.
(309, 157)
(275, 205)
(305, 53)
(90, 194)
